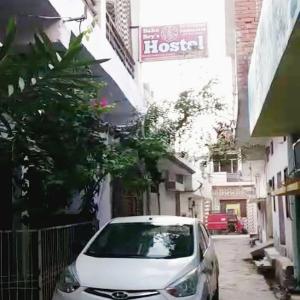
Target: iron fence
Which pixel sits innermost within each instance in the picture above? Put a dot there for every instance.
(118, 45)
(31, 260)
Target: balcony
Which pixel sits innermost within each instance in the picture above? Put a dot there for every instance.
(229, 179)
(118, 45)
(91, 4)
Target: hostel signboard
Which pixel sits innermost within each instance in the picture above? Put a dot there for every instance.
(173, 42)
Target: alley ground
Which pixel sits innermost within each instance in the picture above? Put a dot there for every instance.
(238, 276)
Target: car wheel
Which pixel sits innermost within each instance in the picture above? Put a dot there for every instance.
(216, 294)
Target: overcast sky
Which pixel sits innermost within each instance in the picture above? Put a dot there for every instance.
(168, 78)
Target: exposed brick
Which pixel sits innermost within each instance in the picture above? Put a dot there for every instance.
(247, 13)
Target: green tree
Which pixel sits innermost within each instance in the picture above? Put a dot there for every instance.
(162, 126)
(52, 144)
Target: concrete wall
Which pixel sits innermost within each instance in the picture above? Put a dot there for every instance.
(255, 171)
(196, 211)
(277, 163)
(276, 24)
(99, 47)
(103, 200)
(167, 202)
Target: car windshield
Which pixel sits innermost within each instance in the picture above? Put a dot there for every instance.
(143, 240)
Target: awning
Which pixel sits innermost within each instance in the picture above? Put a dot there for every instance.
(288, 189)
(257, 200)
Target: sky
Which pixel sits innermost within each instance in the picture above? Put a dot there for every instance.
(168, 78)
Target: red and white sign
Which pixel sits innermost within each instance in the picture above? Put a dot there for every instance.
(173, 42)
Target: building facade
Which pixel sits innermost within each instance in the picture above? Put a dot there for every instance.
(179, 192)
(273, 85)
(234, 188)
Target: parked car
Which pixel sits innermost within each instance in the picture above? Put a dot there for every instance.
(147, 257)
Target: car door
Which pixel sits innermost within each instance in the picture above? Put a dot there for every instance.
(211, 257)
(206, 266)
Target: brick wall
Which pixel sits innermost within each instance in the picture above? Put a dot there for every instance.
(247, 13)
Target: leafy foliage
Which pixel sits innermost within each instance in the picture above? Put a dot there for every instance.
(50, 125)
(225, 144)
(174, 121)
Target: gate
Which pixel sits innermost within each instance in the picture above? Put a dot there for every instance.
(31, 260)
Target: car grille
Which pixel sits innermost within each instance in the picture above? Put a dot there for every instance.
(121, 295)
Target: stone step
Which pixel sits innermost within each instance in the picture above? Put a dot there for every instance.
(271, 253)
(258, 252)
(263, 265)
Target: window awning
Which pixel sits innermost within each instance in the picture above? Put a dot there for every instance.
(257, 200)
(289, 189)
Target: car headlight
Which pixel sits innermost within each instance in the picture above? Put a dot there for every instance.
(68, 281)
(185, 286)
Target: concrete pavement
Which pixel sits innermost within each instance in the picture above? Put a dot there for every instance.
(239, 279)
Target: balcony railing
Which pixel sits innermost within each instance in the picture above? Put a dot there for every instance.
(233, 177)
(237, 177)
(118, 45)
(91, 4)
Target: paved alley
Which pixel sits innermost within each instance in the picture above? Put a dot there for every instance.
(238, 277)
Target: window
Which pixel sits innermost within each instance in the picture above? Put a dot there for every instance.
(202, 242)
(273, 183)
(284, 138)
(274, 204)
(287, 198)
(179, 178)
(267, 153)
(143, 240)
(225, 166)
(288, 207)
(270, 183)
(272, 148)
(228, 164)
(234, 164)
(216, 166)
(285, 174)
(205, 233)
(153, 189)
(279, 180)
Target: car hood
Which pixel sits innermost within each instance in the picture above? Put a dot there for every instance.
(129, 273)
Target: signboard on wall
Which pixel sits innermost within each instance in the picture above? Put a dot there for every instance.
(173, 42)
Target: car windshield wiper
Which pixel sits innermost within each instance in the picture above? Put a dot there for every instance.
(113, 255)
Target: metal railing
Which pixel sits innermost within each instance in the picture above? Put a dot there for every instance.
(31, 260)
(91, 4)
(118, 45)
(237, 177)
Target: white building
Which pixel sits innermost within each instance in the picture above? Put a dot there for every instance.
(277, 173)
(180, 191)
(236, 185)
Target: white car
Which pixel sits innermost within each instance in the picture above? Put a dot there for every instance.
(147, 258)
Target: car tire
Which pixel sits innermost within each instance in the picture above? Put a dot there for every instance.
(216, 294)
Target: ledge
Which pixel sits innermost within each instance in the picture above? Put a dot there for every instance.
(288, 189)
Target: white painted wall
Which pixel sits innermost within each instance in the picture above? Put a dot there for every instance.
(99, 47)
(255, 171)
(167, 202)
(198, 209)
(103, 200)
(277, 163)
